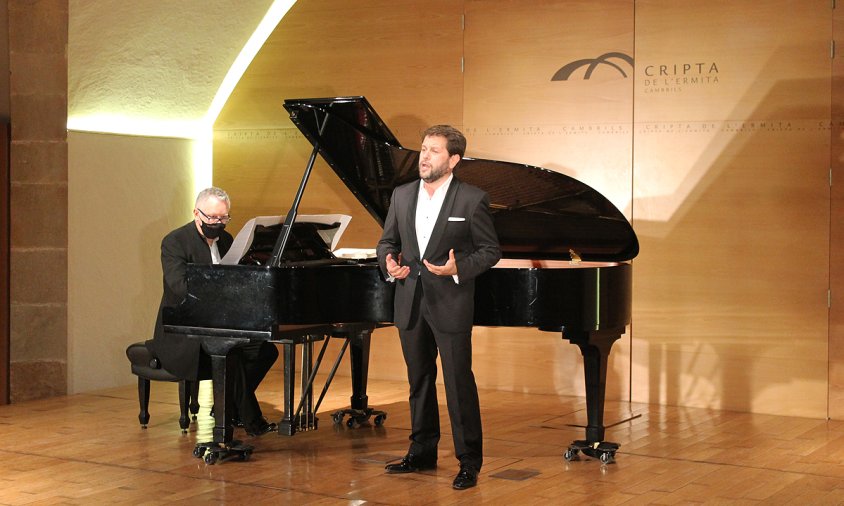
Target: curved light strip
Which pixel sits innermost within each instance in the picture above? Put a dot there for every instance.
(271, 19)
(201, 131)
(203, 167)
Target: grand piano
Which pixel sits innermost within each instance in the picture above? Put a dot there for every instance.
(565, 269)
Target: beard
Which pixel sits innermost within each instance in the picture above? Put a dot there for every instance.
(434, 174)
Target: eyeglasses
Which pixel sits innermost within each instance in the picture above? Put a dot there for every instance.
(219, 219)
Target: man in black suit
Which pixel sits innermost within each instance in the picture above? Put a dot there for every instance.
(438, 237)
(205, 241)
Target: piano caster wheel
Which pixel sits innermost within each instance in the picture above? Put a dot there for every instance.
(603, 451)
(213, 453)
(358, 417)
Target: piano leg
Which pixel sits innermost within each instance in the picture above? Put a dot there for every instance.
(359, 411)
(595, 347)
(359, 356)
(223, 370)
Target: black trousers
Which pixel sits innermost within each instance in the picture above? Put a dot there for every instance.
(420, 344)
(254, 360)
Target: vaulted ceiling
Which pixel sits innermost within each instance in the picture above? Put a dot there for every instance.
(151, 62)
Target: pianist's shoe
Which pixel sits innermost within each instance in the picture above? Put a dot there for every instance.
(412, 463)
(261, 427)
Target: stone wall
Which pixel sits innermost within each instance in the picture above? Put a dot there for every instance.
(38, 103)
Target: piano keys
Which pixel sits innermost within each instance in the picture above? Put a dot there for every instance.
(565, 269)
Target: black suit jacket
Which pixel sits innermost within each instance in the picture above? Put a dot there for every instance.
(465, 225)
(181, 247)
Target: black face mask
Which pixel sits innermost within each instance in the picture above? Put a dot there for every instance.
(212, 230)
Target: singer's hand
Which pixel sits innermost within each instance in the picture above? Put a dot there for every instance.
(447, 269)
(395, 269)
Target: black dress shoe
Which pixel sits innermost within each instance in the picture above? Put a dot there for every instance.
(260, 428)
(412, 463)
(466, 478)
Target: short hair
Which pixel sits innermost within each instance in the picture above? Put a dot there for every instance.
(455, 141)
(212, 192)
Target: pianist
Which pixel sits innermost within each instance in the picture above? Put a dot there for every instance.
(438, 237)
(204, 241)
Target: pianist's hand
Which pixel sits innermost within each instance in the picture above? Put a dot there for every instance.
(447, 269)
(395, 269)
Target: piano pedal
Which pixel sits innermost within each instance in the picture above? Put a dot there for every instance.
(300, 423)
(602, 450)
(212, 452)
(307, 422)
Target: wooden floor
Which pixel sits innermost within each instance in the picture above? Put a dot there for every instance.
(89, 449)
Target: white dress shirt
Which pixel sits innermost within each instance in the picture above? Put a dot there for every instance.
(215, 252)
(427, 209)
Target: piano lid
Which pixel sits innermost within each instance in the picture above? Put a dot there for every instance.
(538, 213)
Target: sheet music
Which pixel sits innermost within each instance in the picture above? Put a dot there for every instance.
(244, 238)
(355, 253)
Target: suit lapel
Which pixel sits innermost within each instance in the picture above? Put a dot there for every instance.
(411, 220)
(442, 218)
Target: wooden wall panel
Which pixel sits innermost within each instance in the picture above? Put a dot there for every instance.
(581, 127)
(836, 263)
(515, 111)
(5, 209)
(732, 205)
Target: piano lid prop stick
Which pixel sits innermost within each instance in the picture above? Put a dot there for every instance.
(332, 373)
(281, 243)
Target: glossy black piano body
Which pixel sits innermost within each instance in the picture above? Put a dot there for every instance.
(542, 218)
(256, 300)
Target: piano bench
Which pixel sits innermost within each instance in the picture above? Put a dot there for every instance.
(148, 368)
